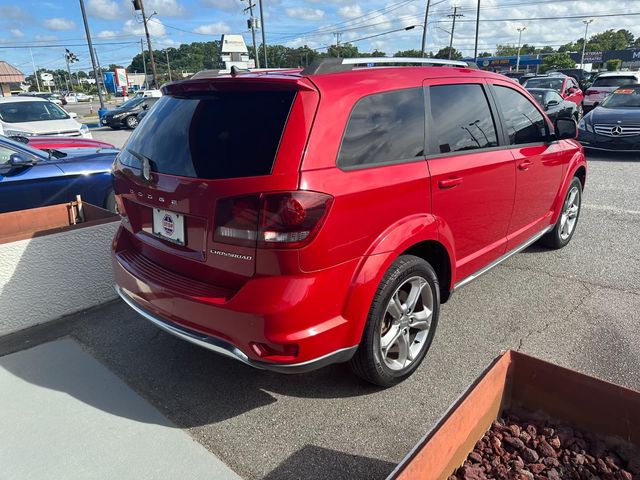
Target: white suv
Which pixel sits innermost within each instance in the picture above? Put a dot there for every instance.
(27, 116)
(604, 84)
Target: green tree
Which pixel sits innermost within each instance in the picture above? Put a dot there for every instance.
(408, 53)
(610, 40)
(485, 54)
(346, 50)
(557, 61)
(444, 53)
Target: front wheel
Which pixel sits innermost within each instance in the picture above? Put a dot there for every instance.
(132, 122)
(401, 323)
(565, 227)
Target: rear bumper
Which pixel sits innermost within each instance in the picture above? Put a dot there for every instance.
(286, 323)
(228, 350)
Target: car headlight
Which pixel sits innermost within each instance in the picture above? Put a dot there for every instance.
(584, 125)
(17, 133)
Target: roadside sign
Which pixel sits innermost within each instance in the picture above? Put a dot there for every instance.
(47, 77)
(121, 77)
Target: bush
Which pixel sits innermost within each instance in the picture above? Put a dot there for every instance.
(613, 65)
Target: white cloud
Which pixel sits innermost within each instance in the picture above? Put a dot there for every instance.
(351, 11)
(107, 34)
(168, 8)
(213, 28)
(46, 38)
(16, 32)
(155, 25)
(226, 5)
(59, 24)
(105, 9)
(303, 13)
(12, 12)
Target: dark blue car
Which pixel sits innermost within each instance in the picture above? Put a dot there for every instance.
(31, 178)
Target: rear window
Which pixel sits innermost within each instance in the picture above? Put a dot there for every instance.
(613, 81)
(213, 136)
(553, 83)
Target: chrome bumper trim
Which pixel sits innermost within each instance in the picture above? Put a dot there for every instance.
(501, 259)
(231, 351)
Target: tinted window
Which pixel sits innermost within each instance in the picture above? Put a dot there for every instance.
(525, 124)
(385, 127)
(545, 82)
(461, 118)
(623, 98)
(553, 96)
(221, 135)
(613, 81)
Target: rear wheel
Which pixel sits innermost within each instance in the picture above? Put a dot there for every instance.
(566, 225)
(401, 323)
(131, 122)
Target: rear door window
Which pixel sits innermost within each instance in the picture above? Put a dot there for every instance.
(384, 128)
(524, 122)
(461, 119)
(614, 81)
(213, 136)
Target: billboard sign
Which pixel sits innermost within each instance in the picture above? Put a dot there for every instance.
(121, 77)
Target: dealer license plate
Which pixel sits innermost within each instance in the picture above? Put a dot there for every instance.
(168, 226)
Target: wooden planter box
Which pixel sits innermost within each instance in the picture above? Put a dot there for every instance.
(51, 265)
(518, 380)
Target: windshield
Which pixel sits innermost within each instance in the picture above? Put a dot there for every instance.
(538, 96)
(134, 102)
(613, 81)
(212, 136)
(623, 98)
(553, 83)
(18, 112)
(21, 146)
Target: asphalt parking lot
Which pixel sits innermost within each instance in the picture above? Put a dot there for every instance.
(578, 307)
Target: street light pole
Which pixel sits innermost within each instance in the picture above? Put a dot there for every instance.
(264, 41)
(91, 52)
(252, 24)
(35, 70)
(424, 28)
(520, 30)
(168, 66)
(584, 44)
(475, 50)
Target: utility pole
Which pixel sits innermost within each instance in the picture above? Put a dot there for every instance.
(424, 28)
(138, 5)
(584, 44)
(70, 58)
(338, 34)
(168, 66)
(144, 65)
(35, 70)
(264, 41)
(520, 30)
(252, 24)
(453, 28)
(91, 52)
(475, 50)
(100, 75)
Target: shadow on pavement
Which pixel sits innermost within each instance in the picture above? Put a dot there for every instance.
(602, 156)
(317, 463)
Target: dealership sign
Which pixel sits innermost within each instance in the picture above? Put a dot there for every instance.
(121, 77)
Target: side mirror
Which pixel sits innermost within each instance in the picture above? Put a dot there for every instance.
(73, 114)
(145, 106)
(566, 128)
(551, 103)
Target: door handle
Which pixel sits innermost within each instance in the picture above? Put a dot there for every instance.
(525, 165)
(450, 183)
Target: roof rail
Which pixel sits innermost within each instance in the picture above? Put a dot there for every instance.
(333, 65)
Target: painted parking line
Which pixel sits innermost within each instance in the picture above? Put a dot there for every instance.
(607, 208)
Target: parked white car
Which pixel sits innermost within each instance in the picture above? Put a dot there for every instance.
(74, 97)
(148, 93)
(604, 84)
(27, 116)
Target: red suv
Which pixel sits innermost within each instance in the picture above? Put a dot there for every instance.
(292, 220)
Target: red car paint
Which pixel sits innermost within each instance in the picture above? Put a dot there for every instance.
(50, 142)
(294, 306)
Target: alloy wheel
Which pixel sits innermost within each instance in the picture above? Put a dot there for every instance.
(570, 213)
(406, 323)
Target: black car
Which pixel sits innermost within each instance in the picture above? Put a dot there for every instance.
(554, 105)
(126, 115)
(615, 124)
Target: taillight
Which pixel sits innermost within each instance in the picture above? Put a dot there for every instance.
(271, 220)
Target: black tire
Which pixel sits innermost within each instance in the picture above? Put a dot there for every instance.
(131, 122)
(556, 239)
(367, 362)
(110, 203)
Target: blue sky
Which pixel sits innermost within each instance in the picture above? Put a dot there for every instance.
(49, 26)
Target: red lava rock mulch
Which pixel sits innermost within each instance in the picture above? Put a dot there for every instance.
(524, 447)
